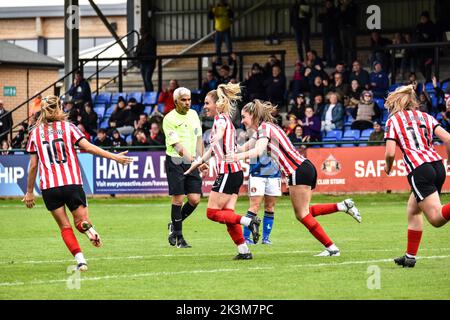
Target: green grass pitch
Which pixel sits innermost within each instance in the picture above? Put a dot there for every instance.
(136, 261)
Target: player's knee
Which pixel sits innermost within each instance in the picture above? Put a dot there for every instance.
(435, 217)
(194, 202)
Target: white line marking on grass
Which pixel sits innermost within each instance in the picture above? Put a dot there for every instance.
(174, 273)
(195, 255)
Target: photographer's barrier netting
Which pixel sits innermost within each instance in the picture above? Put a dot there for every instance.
(358, 169)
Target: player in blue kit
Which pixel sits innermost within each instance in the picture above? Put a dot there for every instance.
(264, 184)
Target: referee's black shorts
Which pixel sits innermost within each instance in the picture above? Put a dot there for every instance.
(228, 183)
(426, 179)
(72, 196)
(305, 174)
(178, 182)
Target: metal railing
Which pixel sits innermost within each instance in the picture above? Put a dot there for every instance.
(55, 86)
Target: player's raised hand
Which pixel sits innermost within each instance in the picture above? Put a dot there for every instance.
(122, 158)
(29, 200)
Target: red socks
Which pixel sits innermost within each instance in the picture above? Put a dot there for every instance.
(413, 242)
(235, 231)
(316, 230)
(226, 216)
(446, 212)
(70, 240)
(322, 209)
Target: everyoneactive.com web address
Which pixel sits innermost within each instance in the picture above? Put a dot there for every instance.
(134, 183)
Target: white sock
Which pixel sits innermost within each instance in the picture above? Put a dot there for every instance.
(341, 206)
(245, 221)
(242, 248)
(333, 247)
(410, 256)
(80, 258)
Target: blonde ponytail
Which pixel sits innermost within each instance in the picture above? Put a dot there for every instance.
(403, 98)
(51, 111)
(227, 97)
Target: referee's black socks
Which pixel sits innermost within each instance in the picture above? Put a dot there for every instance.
(187, 210)
(177, 219)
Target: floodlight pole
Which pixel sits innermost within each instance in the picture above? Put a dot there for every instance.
(71, 38)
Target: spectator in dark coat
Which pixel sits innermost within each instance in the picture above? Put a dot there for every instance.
(102, 139)
(156, 137)
(300, 20)
(330, 31)
(6, 122)
(379, 81)
(298, 108)
(119, 114)
(348, 13)
(377, 43)
(317, 88)
(275, 87)
(117, 140)
(80, 91)
(319, 105)
(209, 83)
(426, 31)
(146, 52)
(223, 73)
(90, 119)
(254, 84)
(358, 73)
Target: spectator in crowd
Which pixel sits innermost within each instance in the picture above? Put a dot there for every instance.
(90, 119)
(379, 81)
(360, 74)
(133, 112)
(340, 87)
(166, 96)
(353, 96)
(399, 56)
(445, 122)
(156, 138)
(120, 113)
(410, 55)
(35, 105)
(317, 87)
(440, 94)
(311, 126)
(377, 134)
(299, 106)
(84, 131)
(367, 112)
(80, 91)
(72, 112)
(378, 53)
(275, 87)
(223, 73)
(319, 105)
(117, 140)
(312, 56)
(17, 141)
(146, 52)
(300, 20)
(330, 32)
(292, 123)
(424, 102)
(209, 83)
(141, 139)
(298, 83)
(142, 123)
(333, 114)
(271, 61)
(254, 84)
(5, 147)
(340, 68)
(102, 140)
(296, 135)
(278, 118)
(348, 13)
(222, 14)
(6, 122)
(426, 32)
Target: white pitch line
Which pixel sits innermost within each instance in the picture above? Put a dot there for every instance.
(195, 255)
(174, 273)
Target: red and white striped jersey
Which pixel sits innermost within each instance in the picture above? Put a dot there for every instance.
(54, 145)
(280, 148)
(413, 131)
(226, 146)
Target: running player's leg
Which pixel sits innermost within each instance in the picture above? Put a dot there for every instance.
(255, 202)
(84, 225)
(269, 214)
(414, 235)
(68, 236)
(437, 215)
(300, 198)
(347, 206)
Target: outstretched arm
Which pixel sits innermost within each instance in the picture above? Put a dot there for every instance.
(93, 149)
(258, 150)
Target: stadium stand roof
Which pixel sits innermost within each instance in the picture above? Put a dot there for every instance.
(10, 54)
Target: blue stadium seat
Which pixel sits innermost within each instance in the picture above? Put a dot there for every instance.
(109, 111)
(350, 135)
(380, 103)
(332, 136)
(348, 120)
(394, 86)
(116, 95)
(445, 85)
(197, 108)
(150, 98)
(365, 134)
(129, 139)
(429, 87)
(161, 107)
(103, 97)
(93, 95)
(148, 110)
(105, 123)
(385, 117)
(136, 95)
(99, 109)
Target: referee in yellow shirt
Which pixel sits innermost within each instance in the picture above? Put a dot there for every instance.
(184, 143)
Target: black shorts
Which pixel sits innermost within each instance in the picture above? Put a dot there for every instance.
(427, 179)
(179, 183)
(72, 196)
(305, 174)
(228, 183)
